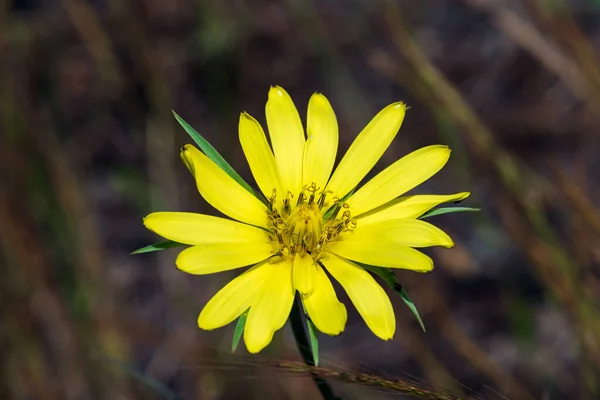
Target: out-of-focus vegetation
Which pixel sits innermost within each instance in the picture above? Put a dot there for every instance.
(88, 146)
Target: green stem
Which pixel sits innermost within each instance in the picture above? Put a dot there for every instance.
(297, 321)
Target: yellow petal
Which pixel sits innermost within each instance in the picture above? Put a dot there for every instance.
(408, 207)
(221, 191)
(382, 255)
(371, 301)
(192, 228)
(366, 149)
(403, 175)
(235, 298)
(287, 138)
(271, 307)
(259, 155)
(321, 143)
(216, 257)
(404, 232)
(304, 273)
(323, 306)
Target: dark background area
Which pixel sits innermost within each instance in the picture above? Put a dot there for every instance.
(88, 147)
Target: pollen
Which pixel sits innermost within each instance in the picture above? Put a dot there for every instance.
(303, 225)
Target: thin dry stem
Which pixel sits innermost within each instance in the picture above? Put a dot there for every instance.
(374, 381)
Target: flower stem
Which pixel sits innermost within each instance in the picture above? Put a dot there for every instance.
(297, 321)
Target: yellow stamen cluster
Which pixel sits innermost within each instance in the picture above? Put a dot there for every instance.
(306, 226)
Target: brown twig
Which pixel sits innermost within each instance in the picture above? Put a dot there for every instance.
(412, 389)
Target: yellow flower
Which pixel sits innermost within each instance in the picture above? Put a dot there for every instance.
(309, 222)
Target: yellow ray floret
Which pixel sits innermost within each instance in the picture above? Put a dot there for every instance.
(306, 226)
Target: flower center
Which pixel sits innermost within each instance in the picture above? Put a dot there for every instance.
(308, 223)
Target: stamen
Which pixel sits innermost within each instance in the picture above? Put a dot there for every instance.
(301, 228)
(300, 199)
(321, 201)
(287, 208)
(272, 200)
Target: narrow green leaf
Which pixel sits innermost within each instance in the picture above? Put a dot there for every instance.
(402, 293)
(314, 341)
(239, 329)
(168, 244)
(447, 210)
(214, 155)
(392, 281)
(312, 336)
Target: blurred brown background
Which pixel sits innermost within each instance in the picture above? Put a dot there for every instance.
(88, 146)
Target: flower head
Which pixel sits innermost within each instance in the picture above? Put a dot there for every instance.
(309, 221)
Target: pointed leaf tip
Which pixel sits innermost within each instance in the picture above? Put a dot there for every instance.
(448, 210)
(402, 293)
(239, 330)
(314, 341)
(392, 281)
(214, 155)
(168, 244)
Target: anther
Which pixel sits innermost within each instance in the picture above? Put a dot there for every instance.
(286, 203)
(271, 200)
(313, 192)
(300, 199)
(321, 201)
